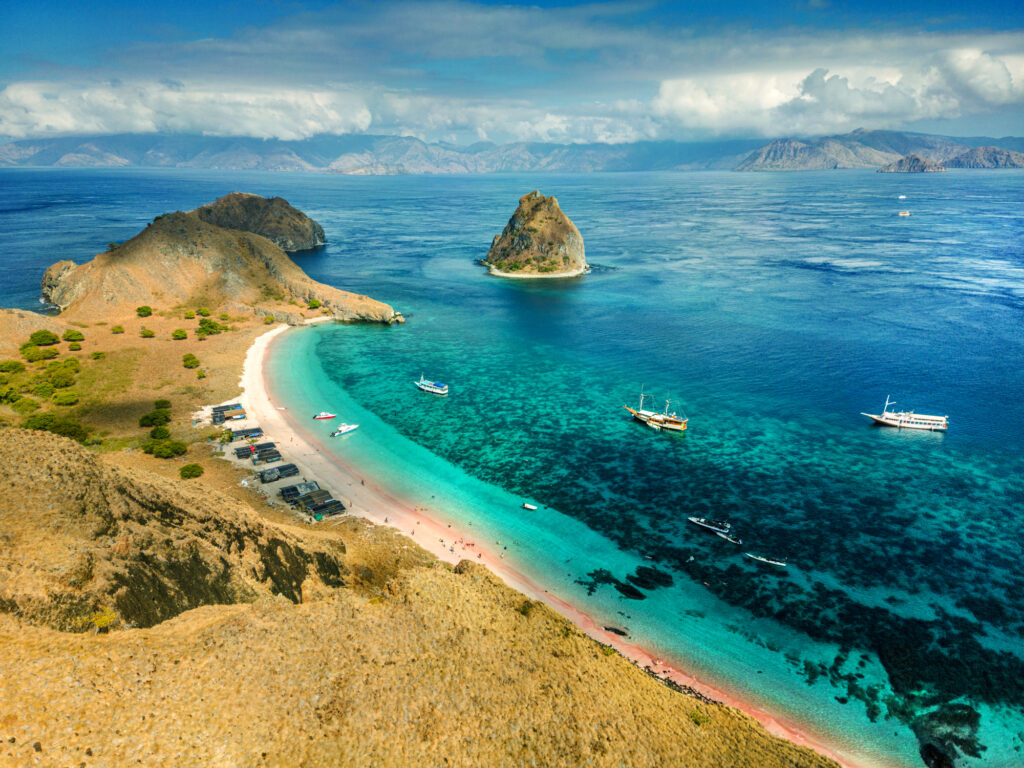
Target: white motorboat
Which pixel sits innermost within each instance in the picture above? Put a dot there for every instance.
(768, 560)
(529, 506)
(344, 429)
(718, 526)
(433, 387)
(908, 419)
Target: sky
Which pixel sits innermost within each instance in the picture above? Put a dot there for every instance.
(462, 71)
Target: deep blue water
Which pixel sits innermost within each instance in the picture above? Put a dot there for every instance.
(772, 308)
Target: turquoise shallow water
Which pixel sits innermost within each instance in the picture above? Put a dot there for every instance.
(773, 308)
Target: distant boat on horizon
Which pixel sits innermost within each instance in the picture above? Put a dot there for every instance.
(433, 387)
(655, 420)
(907, 419)
(903, 213)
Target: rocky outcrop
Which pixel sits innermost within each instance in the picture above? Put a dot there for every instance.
(987, 157)
(182, 259)
(87, 543)
(287, 227)
(912, 164)
(538, 241)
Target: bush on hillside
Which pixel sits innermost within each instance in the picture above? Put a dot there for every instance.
(208, 327)
(146, 333)
(98, 355)
(200, 374)
(179, 333)
(314, 304)
(43, 389)
(203, 312)
(190, 315)
(72, 335)
(12, 366)
(74, 346)
(43, 338)
(190, 470)
(164, 449)
(159, 433)
(67, 397)
(117, 329)
(59, 425)
(155, 418)
(190, 361)
(162, 405)
(144, 311)
(268, 320)
(61, 378)
(25, 406)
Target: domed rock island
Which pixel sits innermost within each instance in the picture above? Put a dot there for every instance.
(538, 241)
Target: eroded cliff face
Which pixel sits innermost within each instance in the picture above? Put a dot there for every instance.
(182, 259)
(538, 241)
(912, 164)
(274, 218)
(84, 543)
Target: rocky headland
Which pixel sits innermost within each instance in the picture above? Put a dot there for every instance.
(286, 227)
(988, 157)
(912, 164)
(185, 259)
(538, 241)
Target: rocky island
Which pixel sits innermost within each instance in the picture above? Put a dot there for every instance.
(538, 241)
(217, 255)
(988, 157)
(912, 164)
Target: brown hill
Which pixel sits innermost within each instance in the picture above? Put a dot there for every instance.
(912, 164)
(987, 157)
(286, 227)
(181, 260)
(414, 664)
(538, 241)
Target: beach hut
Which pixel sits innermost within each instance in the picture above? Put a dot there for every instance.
(291, 492)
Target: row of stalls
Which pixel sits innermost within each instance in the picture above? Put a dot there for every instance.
(307, 495)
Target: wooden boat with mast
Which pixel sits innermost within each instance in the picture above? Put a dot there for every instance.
(654, 419)
(908, 419)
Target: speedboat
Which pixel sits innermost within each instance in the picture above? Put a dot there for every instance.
(768, 560)
(908, 419)
(529, 506)
(433, 387)
(344, 429)
(325, 415)
(718, 526)
(903, 213)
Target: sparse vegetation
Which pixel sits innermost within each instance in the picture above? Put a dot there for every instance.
(98, 355)
(12, 366)
(59, 425)
(314, 304)
(208, 327)
(190, 315)
(144, 311)
(44, 338)
(72, 335)
(146, 333)
(74, 346)
(25, 406)
(200, 374)
(67, 397)
(526, 607)
(155, 418)
(165, 449)
(117, 329)
(190, 470)
(190, 361)
(203, 312)
(159, 433)
(179, 333)
(162, 405)
(268, 320)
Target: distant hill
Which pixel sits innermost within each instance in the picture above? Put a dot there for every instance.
(987, 157)
(912, 164)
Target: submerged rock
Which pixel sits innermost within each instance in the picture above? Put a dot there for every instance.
(538, 241)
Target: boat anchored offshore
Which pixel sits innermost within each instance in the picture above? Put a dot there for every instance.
(325, 415)
(903, 213)
(344, 429)
(908, 419)
(730, 539)
(768, 560)
(433, 387)
(720, 527)
(657, 421)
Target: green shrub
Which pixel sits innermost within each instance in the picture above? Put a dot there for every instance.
(526, 608)
(190, 361)
(144, 311)
(146, 333)
(31, 353)
(61, 378)
(314, 304)
(190, 315)
(25, 406)
(12, 366)
(74, 346)
(162, 405)
(156, 418)
(43, 389)
(73, 335)
(117, 329)
(98, 355)
(168, 449)
(179, 333)
(59, 425)
(203, 312)
(268, 320)
(200, 374)
(208, 327)
(9, 395)
(67, 397)
(190, 470)
(71, 364)
(224, 316)
(43, 338)
(159, 433)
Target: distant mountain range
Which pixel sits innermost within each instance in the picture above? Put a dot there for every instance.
(393, 155)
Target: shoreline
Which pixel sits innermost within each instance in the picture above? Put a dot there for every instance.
(494, 271)
(366, 498)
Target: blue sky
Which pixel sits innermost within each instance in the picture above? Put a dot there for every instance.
(465, 71)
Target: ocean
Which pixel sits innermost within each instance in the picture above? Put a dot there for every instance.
(771, 309)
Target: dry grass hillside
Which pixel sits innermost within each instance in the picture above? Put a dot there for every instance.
(181, 260)
(273, 218)
(404, 662)
(539, 239)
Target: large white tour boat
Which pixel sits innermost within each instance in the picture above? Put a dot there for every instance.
(908, 419)
(655, 420)
(433, 387)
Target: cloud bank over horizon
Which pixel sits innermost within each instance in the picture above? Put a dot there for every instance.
(461, 71)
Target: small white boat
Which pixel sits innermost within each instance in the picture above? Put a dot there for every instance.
(901, 197)
(657, 421)
(908, 419)
(433, 387)
(768, 560)
(344, 429)
(325, 415)
(718, 526)
(730, 539)
(529, 506)
(903, 213)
